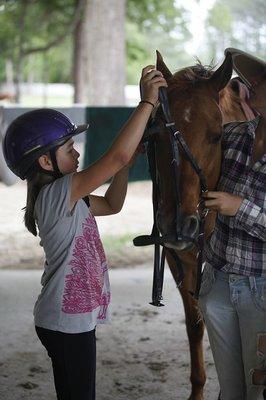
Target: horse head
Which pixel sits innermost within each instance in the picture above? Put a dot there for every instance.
(193, 95)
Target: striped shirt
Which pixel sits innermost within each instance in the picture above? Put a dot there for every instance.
(238, 244)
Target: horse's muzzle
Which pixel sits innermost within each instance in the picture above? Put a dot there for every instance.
(185, 235)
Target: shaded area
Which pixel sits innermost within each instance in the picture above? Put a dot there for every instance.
(142, 355)
(105, 123)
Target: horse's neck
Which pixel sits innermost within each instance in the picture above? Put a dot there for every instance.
(259, 147)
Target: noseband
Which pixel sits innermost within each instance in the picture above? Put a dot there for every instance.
(177, 143)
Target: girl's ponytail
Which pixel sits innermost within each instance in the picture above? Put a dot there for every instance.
(34, 184)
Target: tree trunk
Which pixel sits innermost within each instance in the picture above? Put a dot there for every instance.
(19, 60)
(18, 79)
(31, 71)
(105, 32)
(9, 72)
(80, 61)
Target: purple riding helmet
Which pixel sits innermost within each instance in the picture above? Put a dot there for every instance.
(33, 134)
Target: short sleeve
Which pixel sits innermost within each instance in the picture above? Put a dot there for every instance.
(53, 202)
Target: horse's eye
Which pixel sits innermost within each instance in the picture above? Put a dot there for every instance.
(217, 138)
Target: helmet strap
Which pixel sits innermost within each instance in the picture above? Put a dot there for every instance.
(57, 173)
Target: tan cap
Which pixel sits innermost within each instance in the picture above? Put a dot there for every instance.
(248, 67)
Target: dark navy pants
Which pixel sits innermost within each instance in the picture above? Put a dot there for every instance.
(73, 358)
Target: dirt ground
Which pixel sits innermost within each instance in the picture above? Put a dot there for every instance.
(19, 249)
(142, 354)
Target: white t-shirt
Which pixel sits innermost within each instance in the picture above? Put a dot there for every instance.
(76, 290)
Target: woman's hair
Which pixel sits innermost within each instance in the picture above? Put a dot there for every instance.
(36, 180)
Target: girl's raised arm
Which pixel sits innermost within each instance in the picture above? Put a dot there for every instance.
(125, 144)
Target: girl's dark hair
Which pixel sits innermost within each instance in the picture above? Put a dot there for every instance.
(35, 181)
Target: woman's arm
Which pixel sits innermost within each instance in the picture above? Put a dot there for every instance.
(125, 144)
(252, 219)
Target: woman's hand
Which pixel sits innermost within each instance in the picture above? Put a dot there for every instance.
(150, 81)
(223, 202)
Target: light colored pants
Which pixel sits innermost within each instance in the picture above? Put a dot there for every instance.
(234, 310)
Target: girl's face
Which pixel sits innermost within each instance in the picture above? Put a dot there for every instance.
(67, 157)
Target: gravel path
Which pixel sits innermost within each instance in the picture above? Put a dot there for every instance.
(142, 353)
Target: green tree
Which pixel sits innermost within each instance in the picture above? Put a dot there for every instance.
(219, 29)
(30, 27)
(155, 25)
(150, 24)
(236, 24)
(250, 24)
(52, 40)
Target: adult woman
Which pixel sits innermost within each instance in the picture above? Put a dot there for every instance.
(233, 294)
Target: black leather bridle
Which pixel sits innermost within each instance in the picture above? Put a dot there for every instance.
(177, 143)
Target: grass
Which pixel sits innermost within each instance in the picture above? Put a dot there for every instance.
(121, 252)
(117, 243)
(50, 101)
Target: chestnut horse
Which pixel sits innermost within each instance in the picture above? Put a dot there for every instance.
(193, 95)
(200, 102)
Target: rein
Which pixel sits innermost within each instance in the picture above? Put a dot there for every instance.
(177, 141)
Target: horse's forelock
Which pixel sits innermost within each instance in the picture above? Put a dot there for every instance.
(194, 73)
(185, 79)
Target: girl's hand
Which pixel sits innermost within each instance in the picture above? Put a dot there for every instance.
(223, 202)
(150, 81)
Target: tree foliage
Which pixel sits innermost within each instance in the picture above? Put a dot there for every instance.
(35, 26)
(39, 32)
(237, 24)
(154, 15)
(151, 25)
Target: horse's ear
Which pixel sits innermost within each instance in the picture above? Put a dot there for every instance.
(222, 75)
(160, 65)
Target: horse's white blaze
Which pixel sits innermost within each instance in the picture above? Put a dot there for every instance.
(187, 114)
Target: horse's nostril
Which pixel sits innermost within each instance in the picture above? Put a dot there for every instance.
(190, 226)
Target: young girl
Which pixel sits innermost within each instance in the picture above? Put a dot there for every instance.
(38, 146)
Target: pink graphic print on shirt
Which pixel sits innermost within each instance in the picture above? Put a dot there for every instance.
(84, 286)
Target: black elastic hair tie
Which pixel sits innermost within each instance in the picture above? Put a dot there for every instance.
(148, 102)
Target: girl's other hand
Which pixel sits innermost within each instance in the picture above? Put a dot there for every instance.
(150, 81)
